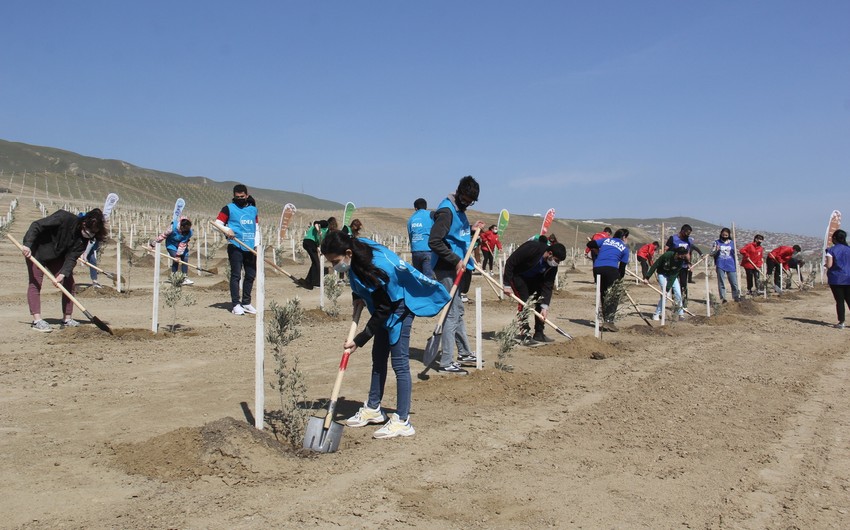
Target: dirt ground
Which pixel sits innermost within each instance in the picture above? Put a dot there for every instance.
(737, 421)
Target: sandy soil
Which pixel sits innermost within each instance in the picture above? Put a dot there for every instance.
(737, 421)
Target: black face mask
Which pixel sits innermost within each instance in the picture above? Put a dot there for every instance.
(241, 202)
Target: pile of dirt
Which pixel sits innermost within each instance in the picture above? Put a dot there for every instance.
(88, 291)
(744, 307)
(578, 348)
(320, 316)
(226, 448)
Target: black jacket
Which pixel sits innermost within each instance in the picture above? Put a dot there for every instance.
(526, 257)
(57, 236)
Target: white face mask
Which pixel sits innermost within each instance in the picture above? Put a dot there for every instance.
(342, 266)
(552, 262)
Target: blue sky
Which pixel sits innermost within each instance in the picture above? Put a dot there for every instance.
(724, 110)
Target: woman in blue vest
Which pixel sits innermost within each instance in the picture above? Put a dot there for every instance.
(177, 244)
(838, 273)
(723, 252)
(393, 292)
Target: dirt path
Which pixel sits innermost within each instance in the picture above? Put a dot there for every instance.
(740, 421)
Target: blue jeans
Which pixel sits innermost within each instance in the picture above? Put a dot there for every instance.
(240, 259)
(92, 258)
(454, 327)
(677, 294)
(398, 355)
(421, 261)
(733, 281)
(185, 257)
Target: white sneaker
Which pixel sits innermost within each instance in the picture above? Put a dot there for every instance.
(365, 416)
(395, 427)
(187, 281)
(248, 308)
(238, 310)
(656, 317)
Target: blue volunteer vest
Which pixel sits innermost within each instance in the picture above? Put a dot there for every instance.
(682, 243)
(839, 273)
(242, 222)
(612, 252)
(725, 259)
(459, 235)
(419, 229)
(423, 296)
(172, 242)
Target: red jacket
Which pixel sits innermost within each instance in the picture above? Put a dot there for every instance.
(647, 252)
(597, 235)
(754, 253)
(781, 255)
(490, 241)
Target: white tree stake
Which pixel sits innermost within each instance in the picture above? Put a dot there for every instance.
(707, 293)
(321, 282)
(479, 355)
(118, 258)
(260, 343)
(155, 318)
(598, 303)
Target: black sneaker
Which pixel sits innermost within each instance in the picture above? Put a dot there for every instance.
(466, 358)
(541, 337)
(527, 341)
(453, 368)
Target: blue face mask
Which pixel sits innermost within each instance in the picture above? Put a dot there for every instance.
(342, 266)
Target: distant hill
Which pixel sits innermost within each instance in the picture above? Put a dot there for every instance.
(59, 175)
(88, 178)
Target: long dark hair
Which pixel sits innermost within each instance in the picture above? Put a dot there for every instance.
(839, 237)
(361, 256)
(94, 223)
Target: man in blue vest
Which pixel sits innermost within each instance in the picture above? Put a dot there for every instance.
(419, 230)
(449, 240)
(238, 220)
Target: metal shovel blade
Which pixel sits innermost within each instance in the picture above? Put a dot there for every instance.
(432, 349)
(98, 322)
(321, 440)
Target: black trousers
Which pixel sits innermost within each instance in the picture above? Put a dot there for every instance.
(841, 293)
(314, 276)
(608, 275)
(524, 288)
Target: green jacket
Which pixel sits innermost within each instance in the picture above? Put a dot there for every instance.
(666, 265)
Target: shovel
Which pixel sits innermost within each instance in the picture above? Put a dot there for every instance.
(97, 322)
(634, 304)
(666, 296)
(180, 261)
(111, 275)
(520, 302)
(323, 435)
(432, 347)
(270, 262)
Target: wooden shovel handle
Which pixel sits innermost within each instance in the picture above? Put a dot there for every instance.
(343, 364)
(666, 296)
(270, 262)
(49, 275)
(445, 311)
(523, 304)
